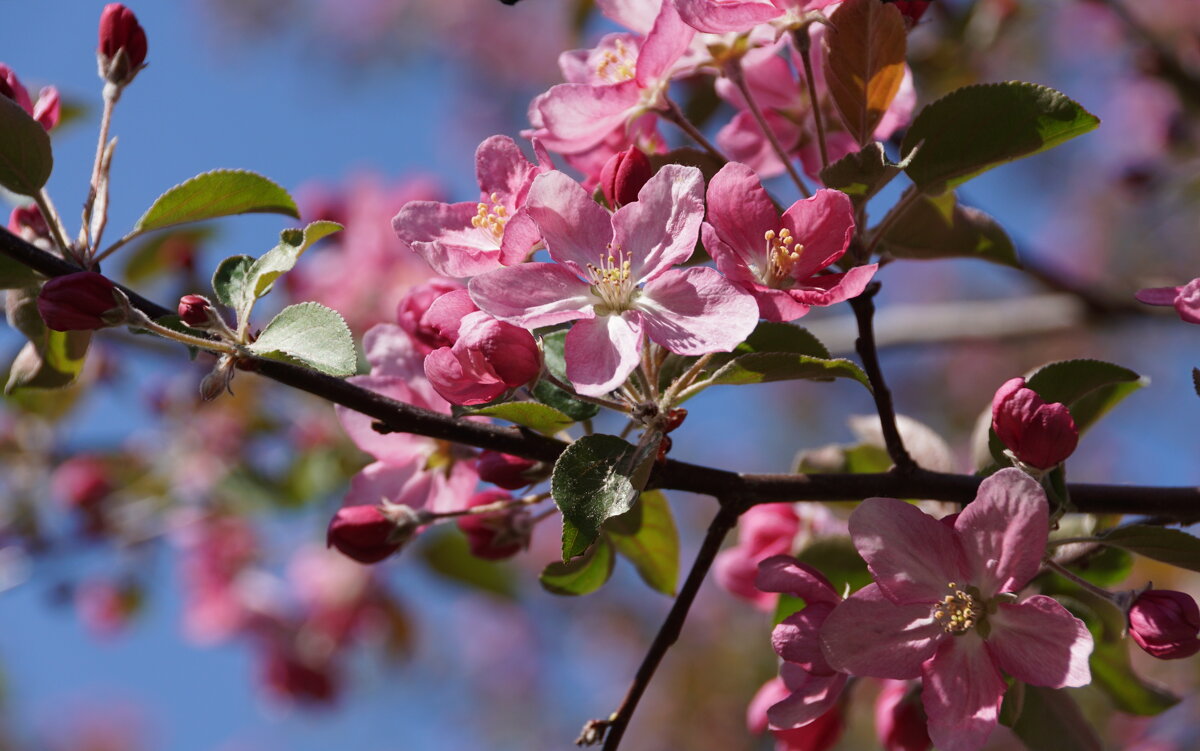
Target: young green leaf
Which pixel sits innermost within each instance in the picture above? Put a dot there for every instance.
(582, 575)
(313, 334)
(1171, 546)
(593, 481)
(229, 281)
(282, 258)
(216, 194)
(976, 128)
(761, 367)
(940, 227)
(539, 417)
(861, 174)
(26, 159)
(864, 63)
(646, 536)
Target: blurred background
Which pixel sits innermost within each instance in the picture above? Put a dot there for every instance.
(165, 583)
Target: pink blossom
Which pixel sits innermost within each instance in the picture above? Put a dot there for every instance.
(508, 471)
(603, 262)
(820, 734)
(1039, 434)
(1185, 299)
(778, 259)
(944, 607)
(722, 16)
(463, 239)
(763, 531)
(45, 110)
(1166, 624)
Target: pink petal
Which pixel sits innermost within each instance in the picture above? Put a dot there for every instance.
(457, 382)
(576, 116)
(665, 43)
(797, 638)
(1187, 304)
(823, 224)
(531, 295)
(521, 234)
(379, 481)
(741, 212)
(829, 289)
(1038, 641)
(659, 229)
(777, 304)
(728, 261)
(577, 230)
(390, 352)
(868, 634)
(1003, 532)
(1158, 295)
(811, 697)
(696, 311)
(735, 570)
(601, 352)
(442, 234)
(501, 168)
(393, 448)
(962, 693)
(783, 573)
(636, 15)
(743, 140)
(721, 16)
(451, 492)
(772, 692)
(912, 555)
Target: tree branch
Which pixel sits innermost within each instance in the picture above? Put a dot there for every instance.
(864, 312)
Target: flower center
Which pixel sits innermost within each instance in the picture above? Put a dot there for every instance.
(491, 219)
(959, 612)
(782, 253)
(616, 65)
(612, 282)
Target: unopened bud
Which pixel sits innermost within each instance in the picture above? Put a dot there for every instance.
(368, 534)
(83, 301)
(498, 535)
(47, 107)
(900, 721)
(1165, 623)
(27, 223)
(122, 50)
(193, 309)
(508, 471)
(1039, 434)
(623, 175)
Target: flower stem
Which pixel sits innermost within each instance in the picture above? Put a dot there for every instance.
(1064, 572)
(675, 115)
(733, 71)
(671, 398)
(804, 44)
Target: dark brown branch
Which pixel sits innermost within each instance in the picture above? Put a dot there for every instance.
(614, 728)
(1176, 503)
(864, 313)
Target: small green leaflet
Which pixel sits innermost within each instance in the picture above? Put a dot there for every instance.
(313, 334)
(940, 227)
(582, 575)
(534, 415)
(1171, 546)
(216, 194)
(646, 537)
(26, 159)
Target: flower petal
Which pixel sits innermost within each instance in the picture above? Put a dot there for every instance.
(696, 311)
(666, 42)
(659, 229)
(828, 289)
(442, 234)
(728, 15)
(390, 352)
(378, 482)
(393, 448)
(962, 693)
(501, 168)
(912, 555)
(578, 116)
(823, 224)
(1187, 303)
(797, 638)
(532, 294)
(868, 634)
(1158, 295)
(783, 573)
(1039, 642)
(741, 212)
(577, 230)
(1003, 532)
(601, 352)
(811, 697)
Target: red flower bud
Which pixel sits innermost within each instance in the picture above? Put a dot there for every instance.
(193, 309)
(899, 718)
(122, 50)
(1165, 623)
(623, 175)
(28, 223)
(290, 677)
(11, 87)
(81, 482)
(47, 108)
(507, 471)
(83, 301)
(1041, 435)
(499, 535)
(368, 534)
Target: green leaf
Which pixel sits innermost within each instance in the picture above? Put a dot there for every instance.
(553, 344)
(939, 227)
(313, 334)
(761, 367)
(448, 554)
(864, 63)
(15, 275)
(769, 336)
(861, 174)
(216, 194)
(646, 536)
(593, 481)
(229, 281)
(839, 561)
(1107, 567)
(26, 159)
(1129, 692)
(1050, 720)
(552, 396)
(539, 417)
(582, 575)
(282, 258)
(1171, 546)
(976, 128)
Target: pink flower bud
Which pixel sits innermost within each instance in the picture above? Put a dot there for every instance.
(899, 718)
(81, 482)
(1039, 434)
(1165, 623)
(28, 223)
(413, 314)
(368, 534)
(499, 535)
(11, 87)
(47, 108)
(122, 50)
(83, 301)
(193, 309)
(623, 175)
(507, 471)
(488, 358)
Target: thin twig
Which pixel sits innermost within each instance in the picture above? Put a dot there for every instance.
(614, 728)
(733, 71)
(676, 115)
(864, 312)
(804, 44)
